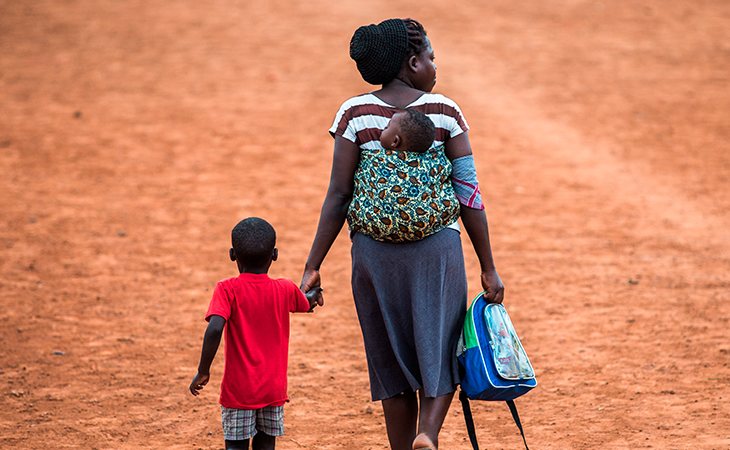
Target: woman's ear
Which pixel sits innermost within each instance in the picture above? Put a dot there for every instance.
(413, 63)
(232, 254)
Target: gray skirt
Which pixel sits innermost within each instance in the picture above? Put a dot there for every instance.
(411, 301)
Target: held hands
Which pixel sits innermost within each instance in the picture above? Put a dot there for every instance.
(198, 382)
(314, 296)
(311, 287)
(493, 287)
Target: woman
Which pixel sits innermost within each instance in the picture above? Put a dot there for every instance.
(410, 297)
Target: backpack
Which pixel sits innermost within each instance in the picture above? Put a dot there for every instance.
(493, 362)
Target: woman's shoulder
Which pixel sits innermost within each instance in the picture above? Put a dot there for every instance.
(360, 113)
(440, 99)
(445, 114)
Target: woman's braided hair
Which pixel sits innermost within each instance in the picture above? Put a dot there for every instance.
(380, 50)
(416, 36)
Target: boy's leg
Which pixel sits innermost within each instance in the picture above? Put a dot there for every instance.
(237, 445)
(269, 425)
(263, 441)
(239, 425)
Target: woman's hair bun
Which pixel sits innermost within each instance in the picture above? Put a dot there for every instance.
(362, 41)
(379, 50)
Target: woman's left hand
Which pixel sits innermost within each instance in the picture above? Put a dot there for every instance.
(312, 280)
(493, 287)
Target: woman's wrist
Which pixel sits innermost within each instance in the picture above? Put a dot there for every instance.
(484, 255)
(308, 266)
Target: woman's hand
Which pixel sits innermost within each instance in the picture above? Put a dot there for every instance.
(493, 287)
(312, 280)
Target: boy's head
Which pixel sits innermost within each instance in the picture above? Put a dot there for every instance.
(409, 130)
(254, 245)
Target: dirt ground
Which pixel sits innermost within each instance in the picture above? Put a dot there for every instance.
(133, 136)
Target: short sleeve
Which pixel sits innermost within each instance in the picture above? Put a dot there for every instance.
(297, 300)
(457, 121)
(220, 304)
(342, 125)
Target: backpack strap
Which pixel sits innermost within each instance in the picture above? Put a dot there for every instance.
(469, 420)
(516, 418)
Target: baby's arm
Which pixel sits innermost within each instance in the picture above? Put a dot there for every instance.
(211, 341)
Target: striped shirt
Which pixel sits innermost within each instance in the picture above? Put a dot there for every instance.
(362, 119)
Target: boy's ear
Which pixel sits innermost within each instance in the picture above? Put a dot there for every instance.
(275, 254)
(232, 254)
(397, 141)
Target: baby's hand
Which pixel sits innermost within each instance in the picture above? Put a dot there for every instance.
(315, 298)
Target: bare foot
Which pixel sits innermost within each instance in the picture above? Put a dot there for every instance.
(423, 442)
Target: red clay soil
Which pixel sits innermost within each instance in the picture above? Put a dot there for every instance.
(133, 136)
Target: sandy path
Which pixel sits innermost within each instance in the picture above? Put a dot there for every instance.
(133, 136)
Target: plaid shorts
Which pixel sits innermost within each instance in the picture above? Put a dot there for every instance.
(240, 424)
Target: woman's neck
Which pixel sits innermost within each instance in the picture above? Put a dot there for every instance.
(399, 92)
(399, 82)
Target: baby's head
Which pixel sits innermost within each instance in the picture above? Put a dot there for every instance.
(408, 130)
(253, 243)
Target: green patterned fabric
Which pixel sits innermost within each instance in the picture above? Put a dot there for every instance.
(402, 196)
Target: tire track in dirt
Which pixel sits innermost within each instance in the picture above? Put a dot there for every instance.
(666, 210)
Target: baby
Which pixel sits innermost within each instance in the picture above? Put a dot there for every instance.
(408, 130)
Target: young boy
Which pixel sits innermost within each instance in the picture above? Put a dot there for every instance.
(408, 130)
(255, 312)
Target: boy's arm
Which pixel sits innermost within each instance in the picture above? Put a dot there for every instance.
(211, 341)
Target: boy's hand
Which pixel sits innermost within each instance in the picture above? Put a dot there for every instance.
(198, 382)
(315, 298)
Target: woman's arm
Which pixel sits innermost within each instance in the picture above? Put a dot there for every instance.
(334, 208)
(475, 222)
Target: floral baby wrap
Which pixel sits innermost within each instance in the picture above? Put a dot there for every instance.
(402, 196)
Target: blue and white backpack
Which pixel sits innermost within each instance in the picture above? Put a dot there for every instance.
(494, 364)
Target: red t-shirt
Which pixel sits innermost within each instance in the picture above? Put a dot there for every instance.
(256, 309)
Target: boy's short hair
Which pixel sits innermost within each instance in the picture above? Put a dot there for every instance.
(419, 129)
(253, 239)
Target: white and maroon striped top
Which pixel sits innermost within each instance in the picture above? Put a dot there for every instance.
(363, 118)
